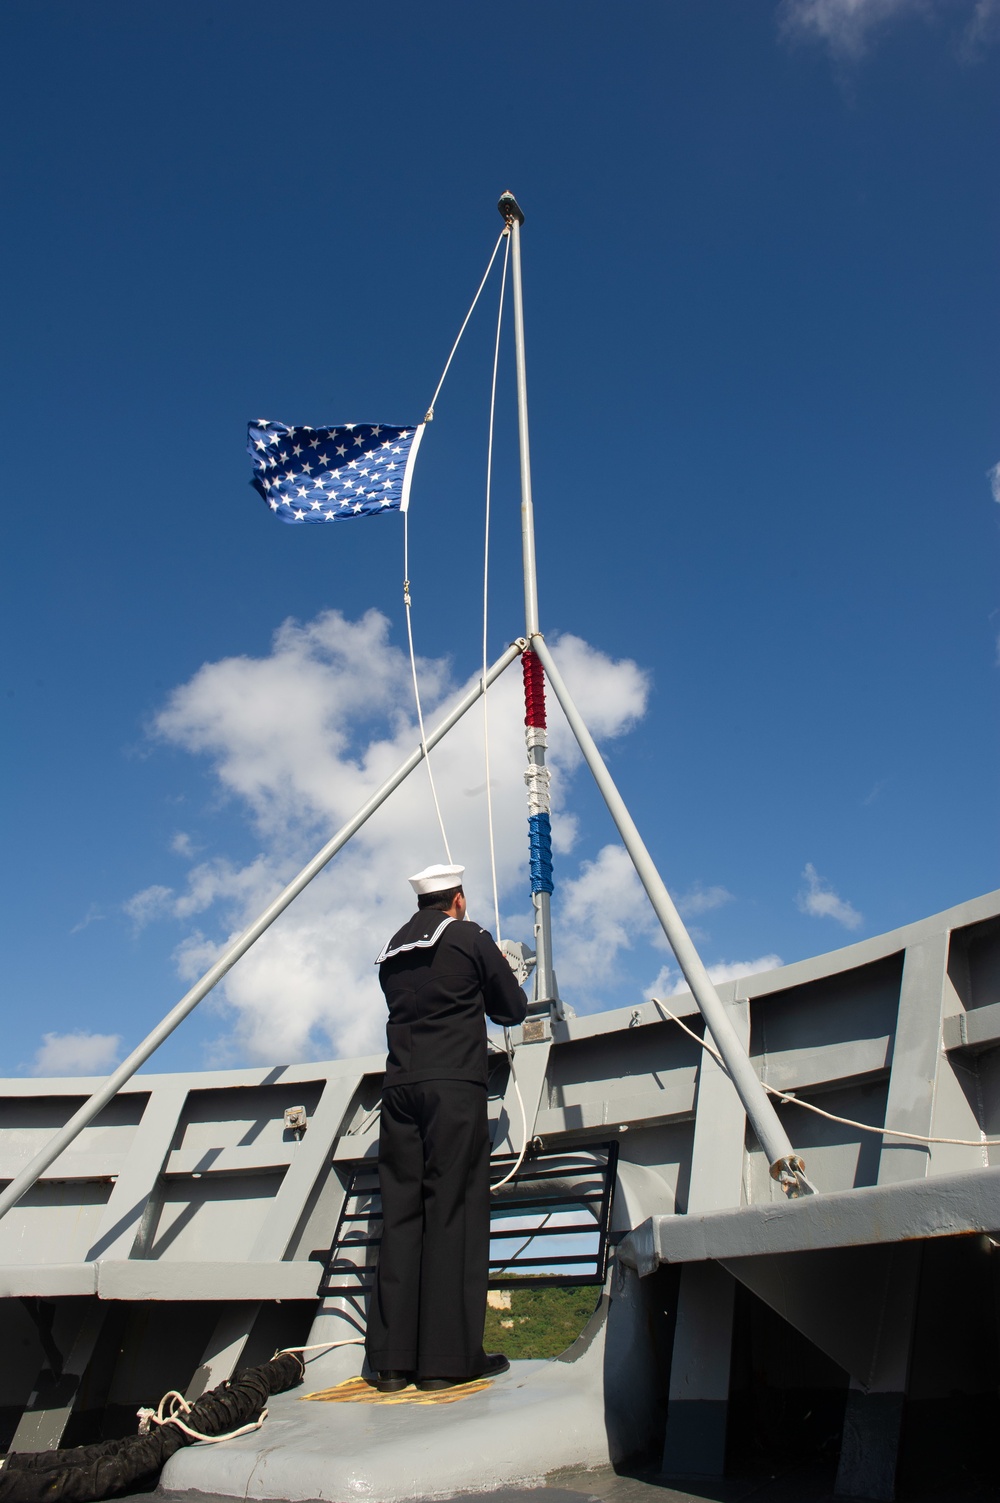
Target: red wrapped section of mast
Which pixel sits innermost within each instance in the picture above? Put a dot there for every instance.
(534, 690)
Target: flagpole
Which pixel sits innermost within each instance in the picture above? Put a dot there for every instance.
(545, 987)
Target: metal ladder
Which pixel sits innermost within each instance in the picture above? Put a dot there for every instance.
(565, 1195)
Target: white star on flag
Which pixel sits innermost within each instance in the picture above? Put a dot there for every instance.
(372, 461)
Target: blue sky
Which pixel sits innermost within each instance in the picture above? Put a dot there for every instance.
(760, 285)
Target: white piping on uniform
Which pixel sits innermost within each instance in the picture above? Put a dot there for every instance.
(416, 944)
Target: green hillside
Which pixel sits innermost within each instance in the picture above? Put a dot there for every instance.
(540, 1322)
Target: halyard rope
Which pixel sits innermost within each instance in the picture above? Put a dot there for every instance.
(530, 1238)
(429, 416)
(416, 691)
(407, 598)
(486, 583)
(789, 1096)
(524, 1118)
(318, 1346)
(370, 1118)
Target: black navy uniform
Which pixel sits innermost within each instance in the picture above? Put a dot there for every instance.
(441, 978)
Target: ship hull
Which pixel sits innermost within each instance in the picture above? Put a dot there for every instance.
(188, 1231)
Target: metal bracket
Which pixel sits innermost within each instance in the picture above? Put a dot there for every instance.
(790, 1173)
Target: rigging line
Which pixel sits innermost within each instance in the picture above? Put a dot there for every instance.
(530, 1238)
(429, 416)
(524, 1118)
(407, 601)
(793, 1100)
(416, 690)
(317, 1346)
(486, 580)
(177, 1405)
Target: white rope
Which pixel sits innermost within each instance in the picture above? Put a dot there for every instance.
(538, 780)
(486, 582)
(530, 1238)
(520, 1158)
(416, 691)
(407, 599)
(318, 1346)
(790, 1096)
(524, 1118)
(524, 1143)
(429, 416)
(179, 1405)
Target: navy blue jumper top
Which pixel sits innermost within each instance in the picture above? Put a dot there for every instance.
(442, 978)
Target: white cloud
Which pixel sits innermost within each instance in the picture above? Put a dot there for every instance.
(848, 26)
(732, 970)
(301, 739)
(596, 916)
(604, 911)
(670, 982)
(982, 29)
(182, 845)
(611, 696)
(151, 903)
(819, 899)
(211, 881)
(206, 884)
(700, 899)
(76, 1054)
(93, 915)
(993, 476)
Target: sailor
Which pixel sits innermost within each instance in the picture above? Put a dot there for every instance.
(441, 979)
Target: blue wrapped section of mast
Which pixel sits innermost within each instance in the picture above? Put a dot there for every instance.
(540, 852)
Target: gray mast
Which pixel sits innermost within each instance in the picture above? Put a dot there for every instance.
(545, 987)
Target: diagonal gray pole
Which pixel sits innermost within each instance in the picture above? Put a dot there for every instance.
(785, 1165)
(189, 1002)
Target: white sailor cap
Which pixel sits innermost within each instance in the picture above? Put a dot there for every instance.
(436, 879)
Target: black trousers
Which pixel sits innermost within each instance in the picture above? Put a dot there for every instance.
(428, 1305)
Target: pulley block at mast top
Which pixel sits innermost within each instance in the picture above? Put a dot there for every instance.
(510, 208)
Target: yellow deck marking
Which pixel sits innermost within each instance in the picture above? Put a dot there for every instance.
(357, 1391)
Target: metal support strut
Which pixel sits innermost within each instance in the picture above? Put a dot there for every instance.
(786, 1166)
(54, 1147)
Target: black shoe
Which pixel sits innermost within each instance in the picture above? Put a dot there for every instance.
(496, 1363)
(391, 1381)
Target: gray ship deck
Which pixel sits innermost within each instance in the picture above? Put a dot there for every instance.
(179, 1237)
